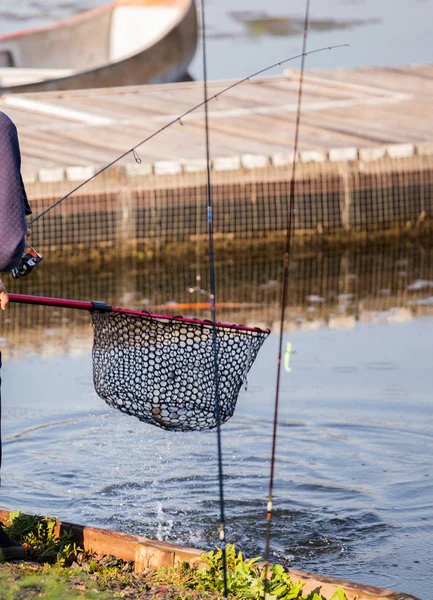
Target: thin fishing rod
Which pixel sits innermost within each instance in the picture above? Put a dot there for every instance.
(172, 122)
(285, 283)
(212, 289)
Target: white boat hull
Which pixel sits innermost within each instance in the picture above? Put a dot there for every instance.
(129, 42)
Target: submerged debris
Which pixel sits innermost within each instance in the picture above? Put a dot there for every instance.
(260, 23)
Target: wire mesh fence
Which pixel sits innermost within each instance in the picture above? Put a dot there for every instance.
(122, 207)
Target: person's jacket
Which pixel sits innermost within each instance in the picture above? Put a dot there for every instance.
(13, 199)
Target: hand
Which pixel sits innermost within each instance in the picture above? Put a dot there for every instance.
(28, 235)
(4, 298)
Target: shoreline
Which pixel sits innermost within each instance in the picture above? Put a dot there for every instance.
(145, 553)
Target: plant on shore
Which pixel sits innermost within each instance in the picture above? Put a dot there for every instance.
(245, 578)
(37, 535)
(67, 572)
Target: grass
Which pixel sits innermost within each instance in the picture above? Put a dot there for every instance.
(58, 570)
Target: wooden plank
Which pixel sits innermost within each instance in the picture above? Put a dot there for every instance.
(378, 77)
(361, 108)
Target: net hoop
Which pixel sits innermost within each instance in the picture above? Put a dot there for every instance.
(160, 368)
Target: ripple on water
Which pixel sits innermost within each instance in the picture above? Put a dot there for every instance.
(301, 537)
(353, 482)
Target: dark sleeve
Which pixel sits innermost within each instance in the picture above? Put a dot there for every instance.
(13, 200)
(27, 208)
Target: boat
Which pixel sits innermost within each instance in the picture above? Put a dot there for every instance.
(125, 42)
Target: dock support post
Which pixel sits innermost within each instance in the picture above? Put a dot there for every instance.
(345, 197)
(125, 229)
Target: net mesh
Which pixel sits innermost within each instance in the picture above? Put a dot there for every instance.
(161, 370)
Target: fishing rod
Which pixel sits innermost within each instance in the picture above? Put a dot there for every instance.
(286, 264)
(31, 257)
(179, 120)
(212, 297)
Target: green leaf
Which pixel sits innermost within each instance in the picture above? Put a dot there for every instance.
(313, 596)
(13, 515)
(279, 590)
(339, 594)
(279, 570)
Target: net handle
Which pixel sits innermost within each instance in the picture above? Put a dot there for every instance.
(103, 307)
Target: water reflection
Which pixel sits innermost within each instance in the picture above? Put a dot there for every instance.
(331, 289)
(258, 23)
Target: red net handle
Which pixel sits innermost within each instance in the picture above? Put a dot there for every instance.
(102, 306)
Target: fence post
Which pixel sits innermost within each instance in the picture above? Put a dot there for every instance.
(346, 197)
(125, 226)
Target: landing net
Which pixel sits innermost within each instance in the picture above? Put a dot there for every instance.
(161, 369)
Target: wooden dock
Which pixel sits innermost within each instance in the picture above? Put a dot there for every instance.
(365, 158)
(346, 115)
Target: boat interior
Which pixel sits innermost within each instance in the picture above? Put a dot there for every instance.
(86, 41)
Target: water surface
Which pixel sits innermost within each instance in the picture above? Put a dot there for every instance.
(246, 35)
(353, 492)
(354, 473)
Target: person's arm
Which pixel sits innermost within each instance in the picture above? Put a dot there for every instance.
(14, 205)
(13, 200)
